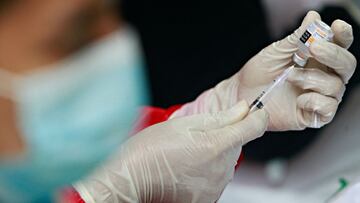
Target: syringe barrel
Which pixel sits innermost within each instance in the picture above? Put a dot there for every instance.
(257, 103)
(266, 94)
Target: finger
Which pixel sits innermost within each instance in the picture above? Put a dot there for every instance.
(310, 17)
(343, 33)
(292, 40)
(242, 132)
(216, 120)
(313, 102)
(328, 84)
(284, 49)
(335, 57)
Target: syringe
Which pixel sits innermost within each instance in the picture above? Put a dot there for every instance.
(316, 31)
(267, 93)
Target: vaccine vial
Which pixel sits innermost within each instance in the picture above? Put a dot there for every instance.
(316, 31)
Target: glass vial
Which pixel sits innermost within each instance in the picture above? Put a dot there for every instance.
(317, 30)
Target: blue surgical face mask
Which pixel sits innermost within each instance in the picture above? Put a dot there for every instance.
(72, 116)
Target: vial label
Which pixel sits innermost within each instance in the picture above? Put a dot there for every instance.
(311, 34)
(305, 37)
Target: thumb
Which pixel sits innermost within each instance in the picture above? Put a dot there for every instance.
(242, 132)
(216, 120)
(291, 41)
(283, 50)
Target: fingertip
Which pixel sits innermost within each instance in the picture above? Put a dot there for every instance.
(229, 116)
(341, 27)
(343, 33)
(317, 47)
(323, 50)
(313, 14)
(251, 127)
(242, 104)
(262, 117)
(296, 76)
(241, 108)
(310, 17)
(264, 114)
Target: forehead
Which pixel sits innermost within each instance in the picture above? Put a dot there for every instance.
(52, 29)
(48, 17)
(51, 6)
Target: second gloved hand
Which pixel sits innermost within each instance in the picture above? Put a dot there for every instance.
(315, 89)
(190, 159)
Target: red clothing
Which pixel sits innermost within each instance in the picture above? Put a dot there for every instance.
(149, 116)
(152, 115)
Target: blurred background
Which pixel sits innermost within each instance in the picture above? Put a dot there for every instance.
(190, 46)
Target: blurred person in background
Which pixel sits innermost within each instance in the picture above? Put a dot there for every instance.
(71, 81)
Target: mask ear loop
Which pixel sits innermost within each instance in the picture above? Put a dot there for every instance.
(7, 84)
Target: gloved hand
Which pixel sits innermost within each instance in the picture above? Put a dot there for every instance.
(190, 159)
(318, 88)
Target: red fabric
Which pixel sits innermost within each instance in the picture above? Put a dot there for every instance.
(70, 195)
(149, 116)
(239, 161)
(152, 115)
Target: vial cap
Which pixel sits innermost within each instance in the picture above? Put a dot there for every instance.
(299, 61)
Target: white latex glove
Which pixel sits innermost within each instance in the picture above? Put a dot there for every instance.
(316, 88)
(190, 159)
